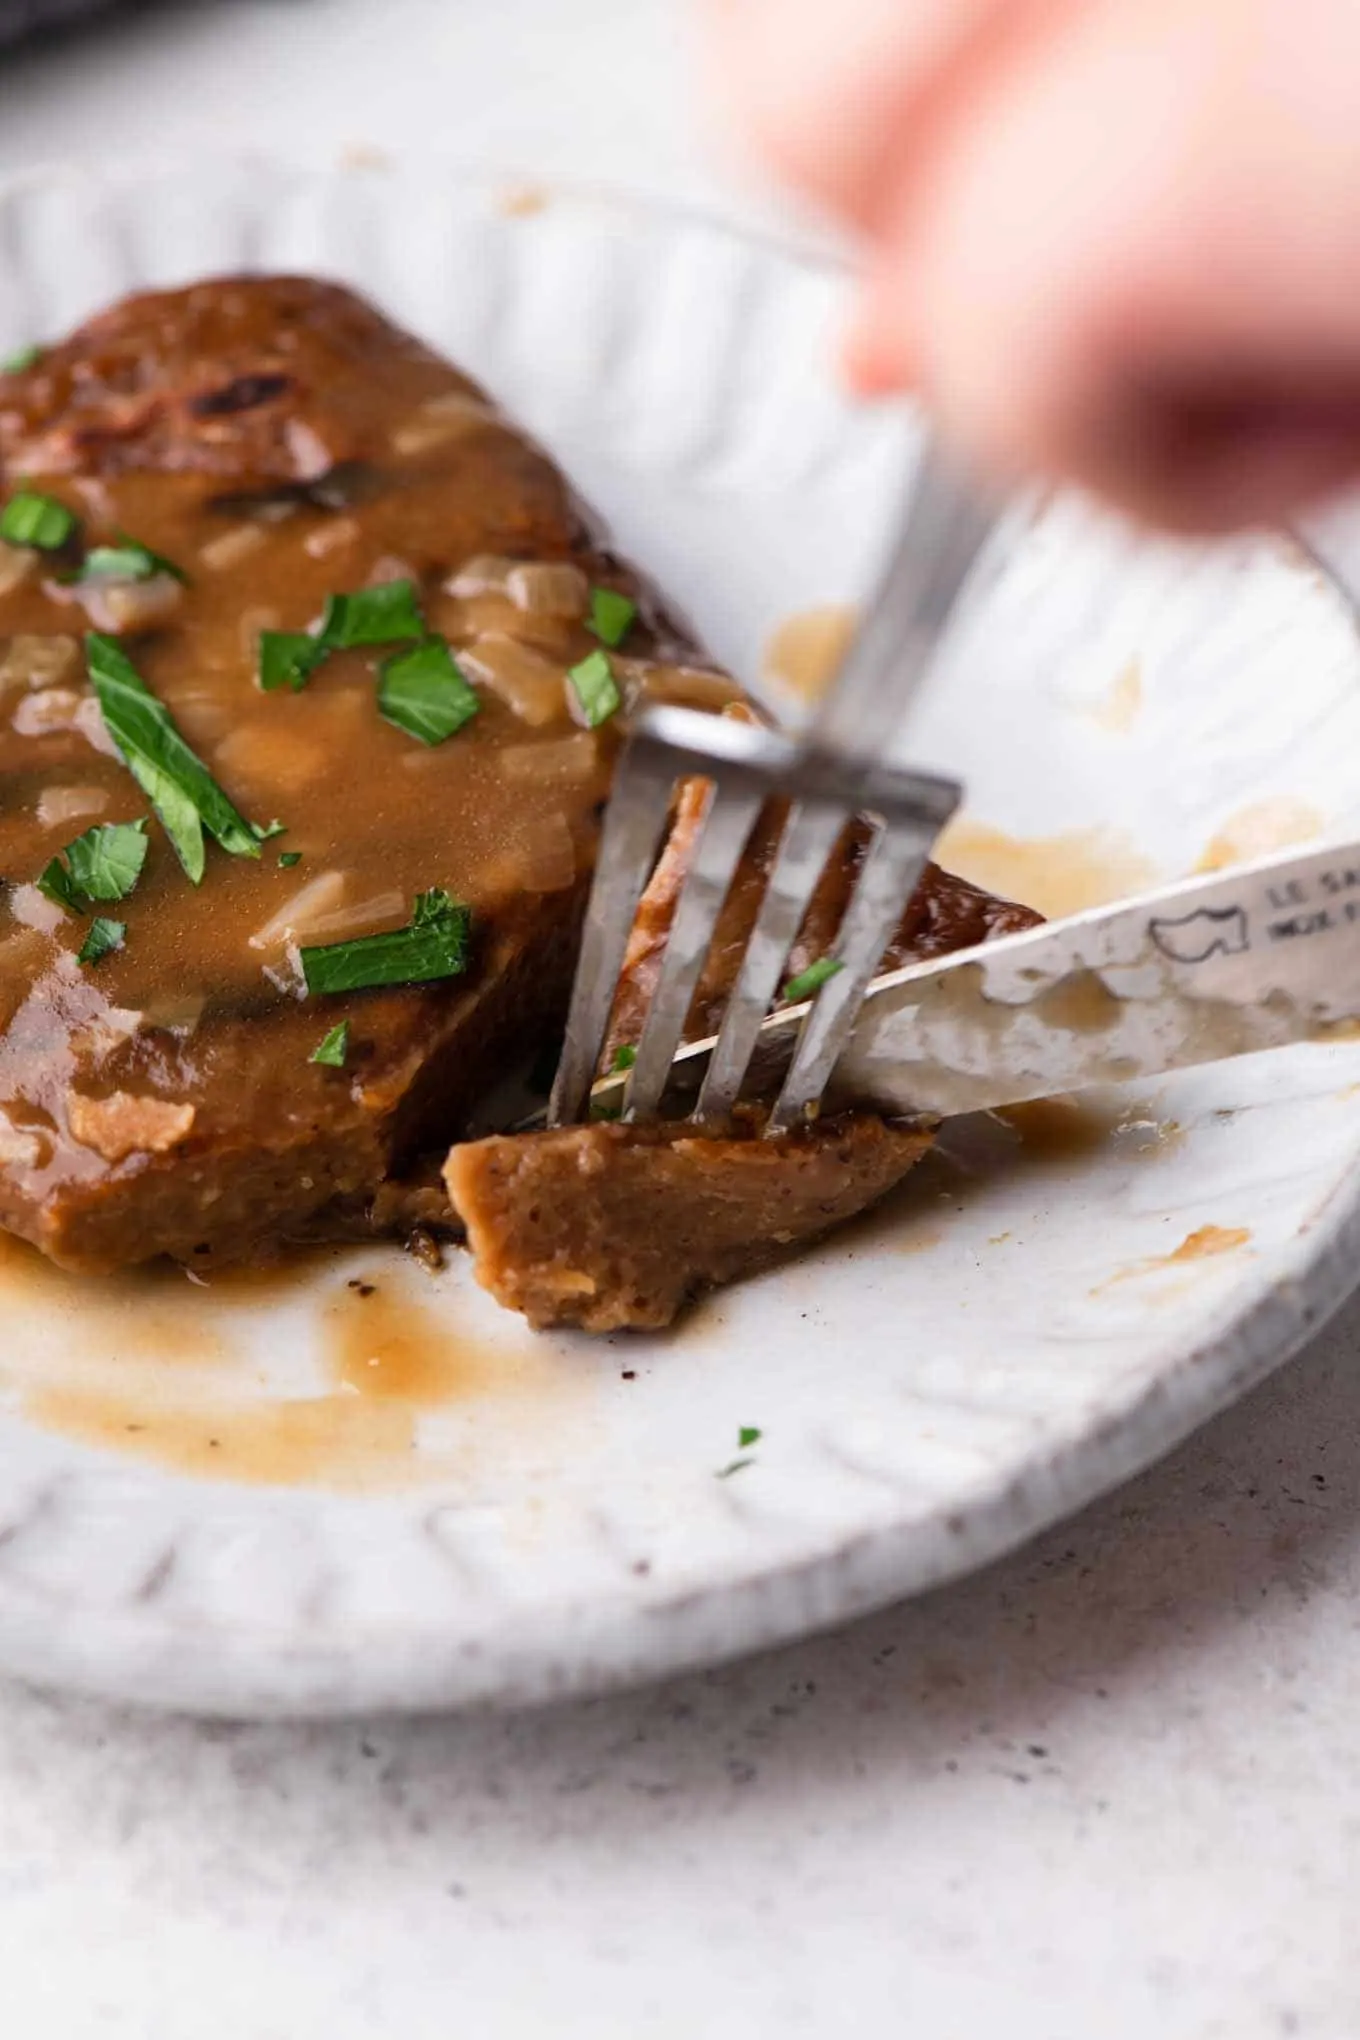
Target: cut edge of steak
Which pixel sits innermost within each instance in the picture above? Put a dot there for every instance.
(608, 1227)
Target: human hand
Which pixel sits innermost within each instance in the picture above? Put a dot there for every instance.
(1115, 242)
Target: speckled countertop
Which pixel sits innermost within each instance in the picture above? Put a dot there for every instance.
(1110, 1788)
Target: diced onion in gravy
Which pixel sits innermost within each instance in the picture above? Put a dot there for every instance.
(439, 421)
(332, 536)
(201, 717)
(129, 605)
(365, 917)
(58, 806)
(17, 563)
(682, 686)
(252, 621)
(318, 913)
(33, 661)
(389, 568)
(89, 720)
(541, 859)
(267, 761)
(302, 910)
(532, 686)
(549, 588)
(232, 547)
(560, 763)
(49, 709)
(483, 574)
(174, 1012)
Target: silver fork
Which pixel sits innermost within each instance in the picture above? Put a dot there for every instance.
(829, 775)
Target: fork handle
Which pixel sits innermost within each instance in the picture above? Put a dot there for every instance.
(946, 523)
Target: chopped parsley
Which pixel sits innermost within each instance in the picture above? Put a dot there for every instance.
(811, 980)
(625, 1055)
(288, 658)
(385, 615)
(332, 1051)
(129, 560)
(288, 858)
(611, 615)
(22, 358)
(54, 882)
(424, 692)
(104, 937)
(747, 1435)
(433, 945)
(41, 521)
(596, 689)
(177, 783)
(103, 864)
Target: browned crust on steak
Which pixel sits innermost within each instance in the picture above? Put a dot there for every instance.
(257, 380)
(610, 1227)
(944, 914)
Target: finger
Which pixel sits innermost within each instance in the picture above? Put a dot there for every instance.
(881, 350)
(1120, 230)
(838, 96)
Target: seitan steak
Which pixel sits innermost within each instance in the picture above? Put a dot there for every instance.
(277, 442)
(216, 481)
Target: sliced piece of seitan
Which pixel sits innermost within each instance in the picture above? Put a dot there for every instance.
(608, 1227)
(611, 1226)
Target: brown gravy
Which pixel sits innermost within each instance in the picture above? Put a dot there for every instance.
(804, 652)
(156, 1368)
(1057, 875)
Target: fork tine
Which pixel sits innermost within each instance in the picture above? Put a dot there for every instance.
(809, 834)
(728, 821)
(889, 876)
(634, 820)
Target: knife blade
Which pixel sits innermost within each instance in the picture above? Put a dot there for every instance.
(1260, 956)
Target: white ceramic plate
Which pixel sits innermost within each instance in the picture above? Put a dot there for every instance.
(219, 1500)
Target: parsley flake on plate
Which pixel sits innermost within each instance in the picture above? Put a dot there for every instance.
(747, 1435)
